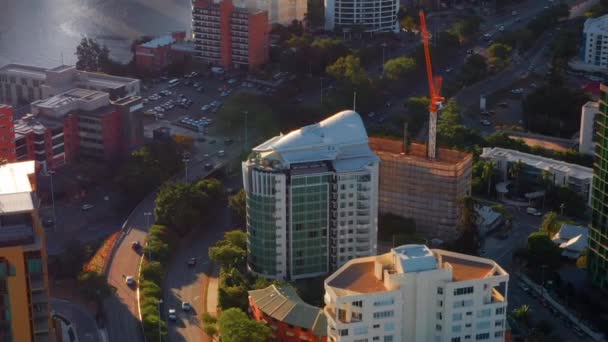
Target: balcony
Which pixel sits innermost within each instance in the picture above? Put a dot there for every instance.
(39, 297)
(17, 234)
(41, 325)
(37, 282)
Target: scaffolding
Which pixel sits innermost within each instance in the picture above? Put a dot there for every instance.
(427, 190)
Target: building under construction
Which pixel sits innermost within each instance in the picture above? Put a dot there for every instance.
(427, 190)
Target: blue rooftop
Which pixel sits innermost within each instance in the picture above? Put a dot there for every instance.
(160, 41)
(415, 258)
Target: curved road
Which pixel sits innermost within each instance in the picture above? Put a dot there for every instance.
(121, 310)
(83, 323)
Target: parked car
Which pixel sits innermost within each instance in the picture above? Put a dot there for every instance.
(191, 262)
(130, 280)
(533, 211)
(85, 207)
(135, 245)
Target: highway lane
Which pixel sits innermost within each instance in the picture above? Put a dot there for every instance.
(186, 283)
(121, 310)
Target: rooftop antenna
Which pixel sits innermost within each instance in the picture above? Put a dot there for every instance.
(61, 57)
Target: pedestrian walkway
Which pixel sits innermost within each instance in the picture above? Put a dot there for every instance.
(212, 291)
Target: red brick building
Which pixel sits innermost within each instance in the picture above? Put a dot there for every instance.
(156, 55)
(7, 134)
(230, 36)
(78, 123)
(290, 318)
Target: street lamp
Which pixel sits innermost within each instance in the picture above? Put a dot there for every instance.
(147, 215)
(186, 160)
(160, 335)
(247, 126)
(51, 173)
(383, 47)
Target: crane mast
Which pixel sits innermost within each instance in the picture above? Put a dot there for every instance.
(435, 99)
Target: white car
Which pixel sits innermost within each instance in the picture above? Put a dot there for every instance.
(221, 153)
(486, 123)
(130, 280)
(186, 306)
(172, 315)
(86, 206)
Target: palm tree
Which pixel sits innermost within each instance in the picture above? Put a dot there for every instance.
(546, 178)
(488, 173)
(522, 314)
(515, 172)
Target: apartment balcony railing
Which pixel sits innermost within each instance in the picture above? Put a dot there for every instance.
(19, 234)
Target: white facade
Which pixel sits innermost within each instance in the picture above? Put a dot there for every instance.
(373, 16)
(26, 84)
(416, 294)
(586, 143)
(595, 41)
(576, 177)
(312, 199)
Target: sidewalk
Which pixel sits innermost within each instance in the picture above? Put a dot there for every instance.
(210, 295)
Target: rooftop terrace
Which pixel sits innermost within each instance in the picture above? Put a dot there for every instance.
(395, 148)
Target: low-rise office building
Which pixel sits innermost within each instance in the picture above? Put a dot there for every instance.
(287, 315)
(416, 294)
(577, 178)
(23, 84)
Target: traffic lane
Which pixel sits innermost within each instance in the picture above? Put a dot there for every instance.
(85, 326)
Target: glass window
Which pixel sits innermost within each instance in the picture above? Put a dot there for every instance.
(34, 266)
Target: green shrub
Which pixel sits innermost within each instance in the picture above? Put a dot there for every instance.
(153, 271)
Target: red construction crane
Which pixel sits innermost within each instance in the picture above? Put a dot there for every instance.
(434, 90)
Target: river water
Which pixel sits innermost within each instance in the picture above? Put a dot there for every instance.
(43, 32)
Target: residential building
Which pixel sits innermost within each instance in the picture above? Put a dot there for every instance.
(7, 134)
(23, 84)
(597, 257)
(282, 12)
(44, 141)
(586, 142)
(372, 16)
(24, 289)
(416, 294)
(572, 240)
(229, 36)
(594, 50)
(311, 199)
(577, 178)
(155, 55)
(289, 317)
(427, 190)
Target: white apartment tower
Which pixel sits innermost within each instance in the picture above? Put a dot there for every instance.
(371, 15)
(312, 199)
(415, 294)
(586, 139)
(595, 42)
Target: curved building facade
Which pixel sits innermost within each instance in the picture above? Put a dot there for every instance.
(311, 199)
(372, 15)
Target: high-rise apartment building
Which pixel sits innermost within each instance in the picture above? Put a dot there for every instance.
(229, 36)
(598, 234)
(311, 199)
(586, 140)
(595, 42)
(24, 295)
(417, 294)
(22, 84)
(7, 134)
(372, 16)
(427, 190)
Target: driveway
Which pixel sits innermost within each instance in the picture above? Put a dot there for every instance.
(82, 321)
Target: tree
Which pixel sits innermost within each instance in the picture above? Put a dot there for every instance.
(515, 172)
(73, 258)
(93, 286)
(408, 23)
(397, 68)
(499, 55)
(91, 56)
(542, 251)
(474, 69)
(237, 238)
(348, 69)
(153, 271)
(328, 50)
(468, 241)
(522, 314)
(235, 326)
(238, 204)
(550, 224)
(466, 27)
(227, 255)
(451, 132)
(489, 168)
